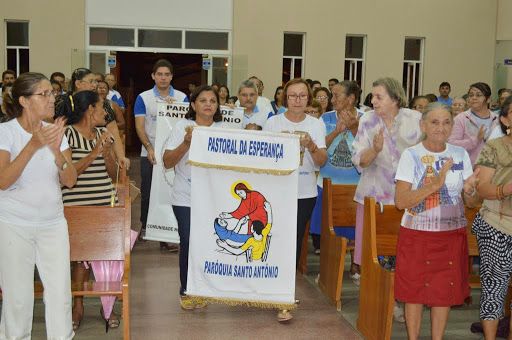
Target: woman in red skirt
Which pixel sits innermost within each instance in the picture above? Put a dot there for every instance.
(432, 255)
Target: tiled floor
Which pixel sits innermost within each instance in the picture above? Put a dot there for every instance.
(156, 314)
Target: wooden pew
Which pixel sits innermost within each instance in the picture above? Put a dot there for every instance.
(101, 233)
(376, 289)
(474, 279)
(338, 210)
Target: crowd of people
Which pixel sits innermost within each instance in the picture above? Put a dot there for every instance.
(429, 156)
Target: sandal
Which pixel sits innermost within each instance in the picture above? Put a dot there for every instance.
(77, 320)
(113, 322)
(284, 315)
(398, 313)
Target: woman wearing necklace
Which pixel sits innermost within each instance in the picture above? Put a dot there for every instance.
(471, 129)
(432, 254)
(93, 159)
(296, 97)
(493, 224)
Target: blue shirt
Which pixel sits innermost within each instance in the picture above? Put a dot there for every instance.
(339, 165)
(448, 101)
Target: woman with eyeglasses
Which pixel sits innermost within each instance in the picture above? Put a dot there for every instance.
(83, 79)
(297, 97)
(323, 96)
(471, 129)
(35, 161)
(93, 159)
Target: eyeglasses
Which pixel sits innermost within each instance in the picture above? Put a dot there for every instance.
(90, 81)
(297, 96)
(46, 94)
(321, 98)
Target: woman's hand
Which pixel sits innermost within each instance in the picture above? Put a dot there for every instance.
(340, 125)
(305, 140)
(349, 120)
(378, 141)
(471, 183)
(481, 133)
(58, 127)
(439, 180)
(103, 143)
(187, 139)
(124, 163)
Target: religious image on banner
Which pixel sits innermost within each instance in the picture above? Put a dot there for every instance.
(243, 224)
(161, 224)
(247, 229)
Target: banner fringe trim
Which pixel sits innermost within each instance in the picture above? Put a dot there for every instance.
(241, 168)
(236, 302)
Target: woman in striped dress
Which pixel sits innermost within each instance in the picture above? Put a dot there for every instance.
(93, 159)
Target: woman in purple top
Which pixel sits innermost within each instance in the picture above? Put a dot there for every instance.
(382, 136)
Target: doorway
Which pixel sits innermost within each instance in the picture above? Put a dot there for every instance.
(133, 73)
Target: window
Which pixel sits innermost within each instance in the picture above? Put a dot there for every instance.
(413, 67)
(17, 46)
(106, 36)
(354, 58)
(206, 40)
(159, 38)
(293, 56)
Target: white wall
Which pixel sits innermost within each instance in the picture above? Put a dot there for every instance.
(56, 33)
(460, 38)
(197, 14)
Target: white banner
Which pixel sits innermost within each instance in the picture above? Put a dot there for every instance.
(243, 217)
(161, 224)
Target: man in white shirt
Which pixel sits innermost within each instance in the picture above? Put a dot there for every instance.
(254, 117)
(145, 111)
(263, 103)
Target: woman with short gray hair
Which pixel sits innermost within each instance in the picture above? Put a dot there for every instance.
(382, 136)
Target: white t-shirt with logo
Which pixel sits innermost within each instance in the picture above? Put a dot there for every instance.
(307, 171)
(444, 209)
(35, 199)
(180, 195)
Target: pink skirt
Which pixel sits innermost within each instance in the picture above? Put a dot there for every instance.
(432, 267)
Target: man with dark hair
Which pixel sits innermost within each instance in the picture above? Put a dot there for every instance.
(8, 78)
(332, 82)
(315, 84)
(444, 93)
(145, 111)
(59, 78)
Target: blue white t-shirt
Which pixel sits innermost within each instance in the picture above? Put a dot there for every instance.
(115, 96)
(442, 210)
(448, 101)
(146, 105)
(257, 117)
(339, 167)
